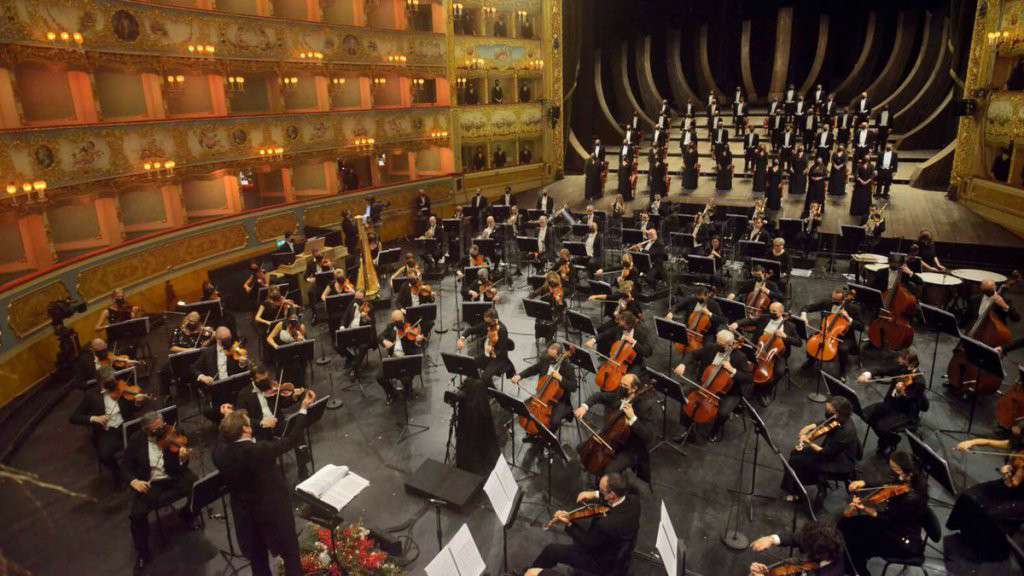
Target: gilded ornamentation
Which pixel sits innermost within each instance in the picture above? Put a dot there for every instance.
(28, 313)
(507, 120)
(138, 266)
(275, 226)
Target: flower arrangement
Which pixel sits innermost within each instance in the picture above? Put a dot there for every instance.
(355, 551)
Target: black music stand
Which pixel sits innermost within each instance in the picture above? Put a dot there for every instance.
(314, 414)
(528, 245)
(405, 367)
(669, 388)
(769, 265)
(631, 236)
(134, 329)
(211, 309)
(987, 360)
(535, 281)
(500, 212)
(736, 224)
(599, 287)
(933, 464)
(734, 538)
(488, 247)
(398, 283)
(534, 213)
(280, 259)
(473, 312)
(576, 249)
(469, 275)
(852, 237)
(837, 387)
(672, 332)
(750, 250)
(540, 311)
(206, 491)
(303, 351)
(346, 338)
(460, 366)
(580, 323)
(802, 497)
(701, 265)
(181, 369)
(732, 309)
(941, 322)
(336, 305)
(791, 229)
(226, 390)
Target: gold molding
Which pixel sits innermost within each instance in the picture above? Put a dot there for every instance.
(28, 313)
(275, 226)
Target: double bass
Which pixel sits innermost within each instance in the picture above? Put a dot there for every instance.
(989, 329)
(1010, 407)
(549, 393)
(599, 450)
(891, 330)
(702, 402)
(824, 345)
(620, 358)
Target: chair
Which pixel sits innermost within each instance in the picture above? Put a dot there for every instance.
(620, 566)
(933, 531)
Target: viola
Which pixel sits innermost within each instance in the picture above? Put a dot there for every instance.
(239, 354)
(891, 330)
(599, 450)
(702, 403)
(130, 392)
(990, 329)
(549, 393)
(769, 347)
(819, 431)
(1013, 476)
(1010, 407)
(824, 345)
(410, 331)
(582, 513)
(793, 567)
(620, 358)
(880, 496)
(171, 440)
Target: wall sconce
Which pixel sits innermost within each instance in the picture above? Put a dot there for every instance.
(397, 59)
(201, 50)
(159, 168)
(458, 9)
(536, 64)
(474, 63)
(236, 84)
(65, 39)
(338, 82)
(418, 83)
(364, 142)
(522, 14)
(460, 83)
(412, 5)
(489, 11)
(27, 187)
(998, 38)
(439, 135)
(175, 83)
(380, 82)
(272, 152)
(311, 56)
(290, 82)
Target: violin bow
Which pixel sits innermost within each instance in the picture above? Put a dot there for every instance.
(891, 378)
(702, 389)
(201, 328)
(277, 397)
(595, 434)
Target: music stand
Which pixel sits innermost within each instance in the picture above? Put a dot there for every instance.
(500, 212)
(488, 247)
(322, 279)
(737, 224)
(584, 362)
(408, 367)
(540, 311)
(791, 229)
(535, 281)
(389, 257)
(581, 323)
(940, 322)
(133, 329)
(211, 309)
(933, 464)
(732, 309)
(314, 414)
(398, 283)
(673, 332)
(631, 236)
(986, 359)
(461, 365)
(750, 250)
(534, 213)
(734, 538)
(279, 259)
(303, 351)
(681, 240)
(527, 245)
(668, 388)
(802, 497)
(580, 229)
(205, 492)
(837, 387)
(852, 237)
(225, 391)
(771, 265)
(344, 339)
(703, 265)
(469, 275)
(599, 287)
(575, 248)
(473, 312)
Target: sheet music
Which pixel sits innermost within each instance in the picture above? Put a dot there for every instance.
(667, 543)
(335, 485)
(501, 489)
(460, 557)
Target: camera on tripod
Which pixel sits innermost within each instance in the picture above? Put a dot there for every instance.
(61, 310)
(453, 397)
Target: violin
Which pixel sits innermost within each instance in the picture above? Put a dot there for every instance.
(1013, 472)
(891, 330)
(599, 450)
(239, 354)
(171, 440)
(582, 513)
(1010, 407)
(991, 330)
(793, 567)
(410, 331)
(130, 392)
(878, 497)
(120, 361)
(549, 393)
(819, 431)
(824, 345)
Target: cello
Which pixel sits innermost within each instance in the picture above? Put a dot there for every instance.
(989, 329)
(716, 380)
(549, 392)
(1010, 408)
(769, 347)
(824, 345)
(620, 358)
(758, 299)
(891, 330)
(599, 450)
(697, 326)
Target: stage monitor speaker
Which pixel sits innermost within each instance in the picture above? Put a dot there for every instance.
(436, 480)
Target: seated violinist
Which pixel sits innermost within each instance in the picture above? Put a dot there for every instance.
(606, 546)
(766, 330)
(290, 331)
(257, 279)
(843, 304)
(319, 263)
(266, 402)
(821, 550)
(118, 311)
(409, 266)
(482, 289)
(96, 356)
(414, 293)
(399, 339)
(273, 309)
(903, 403)
(887, 520)
(986, 512)
(495, 346)
(628, 329)
(551, 292)
(824, 450)
(158, 470)
(760, 281)
(104, 409)
(723, 352)
(340, 285)
(564, 373)
(563, 266)
(360, 313)
(217, 363)
(190, 335)
(625, 272)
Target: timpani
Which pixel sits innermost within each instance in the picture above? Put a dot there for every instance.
(858, 261)
(972, 278)
(870, 270)
(939, 289)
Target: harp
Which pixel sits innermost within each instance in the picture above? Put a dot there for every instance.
(367, 282)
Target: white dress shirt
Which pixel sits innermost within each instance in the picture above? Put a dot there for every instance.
(156, 462)
(112, 410)
(222, 363)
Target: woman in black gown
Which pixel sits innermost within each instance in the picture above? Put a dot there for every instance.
(723, 178)
(760, 170)
(864, 178)
(837, 179)
(816, 189)
(773, 193)
(691, 167)
(798, 172)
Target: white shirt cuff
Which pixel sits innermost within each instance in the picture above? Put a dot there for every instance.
(302, 411)
(630, 421)
(776, 540)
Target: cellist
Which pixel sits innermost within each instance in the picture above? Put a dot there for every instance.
(774, 326)
(641, 415)
(564, 373)
(986, 319)
(988, 299)
(723, 351)
(838, 303)
(904, 401)
(760, 281)
(628, 328)
(702, 302)
(886, 278)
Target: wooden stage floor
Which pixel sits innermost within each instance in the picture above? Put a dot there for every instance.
(910, 209)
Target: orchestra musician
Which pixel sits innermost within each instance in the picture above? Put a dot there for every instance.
(96, 356)
(564, 373)
(545, 240)
(495, 346)
(603, 548)
(809, 229)
(360, 313)
(553, 293)
(760, 280)
(158, 473)
(592, 246)
(399, 339)
(758, 231)
(191, 334)
(261, 501)
(267, 402)
(629, 328)
(410, 266)
(820, 544)
(986, 512)
(626, 298)
(490, 226)
(415, 292)
(217, 363)
(566, 272)
(433, 250)
(781, 255)
(276, 306)
(827, 449)
(890, 528)
(422, 210)
(641, 416)
(886, 278)
(774, 325)
(483, 288)
(257, 279)
(840, 302)
(289, 331)
(104, 411)
(545, 203)
(655, 247)
(120, 310)
(703, 301)
(903, 403)
(723, 351)
(987, 299)
(340, 285)
(714, 251)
